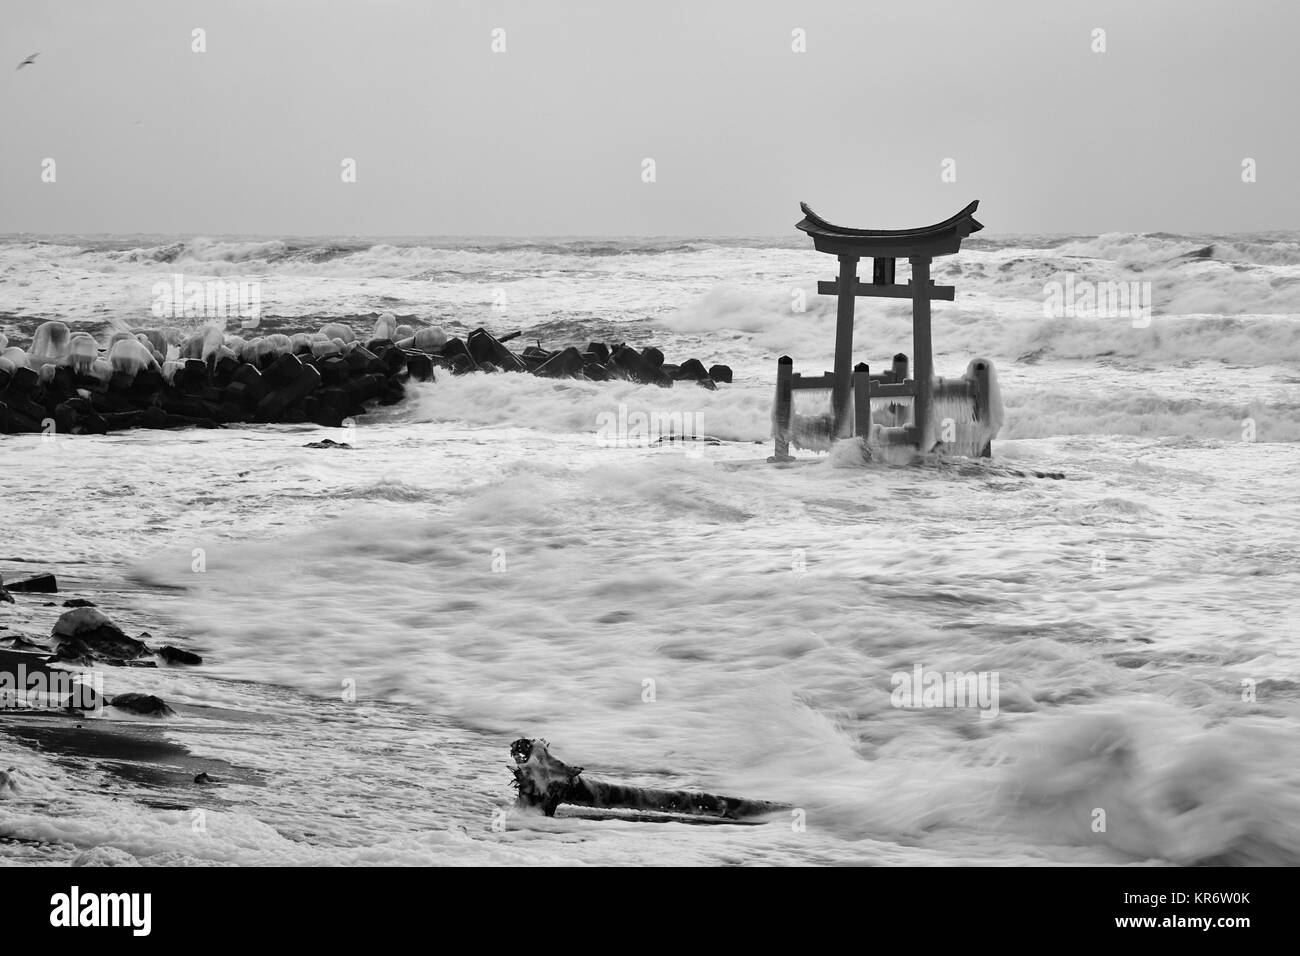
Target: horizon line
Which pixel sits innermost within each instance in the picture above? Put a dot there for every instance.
(794, 234)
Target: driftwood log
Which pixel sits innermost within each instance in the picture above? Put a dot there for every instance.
(545, 782)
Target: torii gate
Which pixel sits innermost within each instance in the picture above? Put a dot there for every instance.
(884, 247)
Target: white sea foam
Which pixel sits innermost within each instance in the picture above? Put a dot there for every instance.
(482, 566)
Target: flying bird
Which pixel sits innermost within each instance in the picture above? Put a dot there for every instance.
(27, 62)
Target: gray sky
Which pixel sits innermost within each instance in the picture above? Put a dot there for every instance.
(548, 138)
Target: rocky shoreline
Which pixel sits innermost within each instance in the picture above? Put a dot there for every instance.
(64, 382)
(60, 672)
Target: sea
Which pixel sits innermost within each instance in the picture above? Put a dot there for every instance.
(502, 556)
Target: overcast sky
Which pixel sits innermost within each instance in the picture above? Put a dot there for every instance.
(548, 138)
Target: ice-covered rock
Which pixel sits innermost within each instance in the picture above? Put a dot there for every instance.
(429, 339)
(156, 339)
(82, 352)
(386, 327)
(131, 357)
(337, 330)
(50, 344)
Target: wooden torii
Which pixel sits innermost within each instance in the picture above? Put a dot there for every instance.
(853, 388)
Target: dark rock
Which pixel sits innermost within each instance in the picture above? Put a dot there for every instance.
(462, 364)
(78, 602)
(319, 414)
(192, 377)
(327, 443)
(361, 360)
(86, 632)
(6, 597)
(720, 373)
(707, 384)
(630, 364)
(420, 367)
(16, 419)
(24, 381)
(120, 421)
(224, 371)
(247, 385)
(456, 352)
(363, 388)
(330, 406)
(63, 384)
(189, 421)
(692, 370)
(146, 704)
(153, 417)
(566, 364)
(601, 351)
(174, 655)
(90, 383)
(275, 406)
(334, 369)
(34, 584)
(185, 406)
(204, 778)
(653, 356)
(146, 384)
(393, 359)
(283, 371)
(483, 347)
(92, 424)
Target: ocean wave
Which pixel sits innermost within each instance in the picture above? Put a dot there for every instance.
(742, 413)
(1142, 248)
(595, 410)
(1014, 332)
(392, 258)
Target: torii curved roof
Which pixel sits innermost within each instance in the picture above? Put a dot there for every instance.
(942, 238)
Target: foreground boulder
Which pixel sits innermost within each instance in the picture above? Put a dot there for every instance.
(87, 633)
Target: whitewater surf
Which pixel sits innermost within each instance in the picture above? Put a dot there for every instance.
(499, 558)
